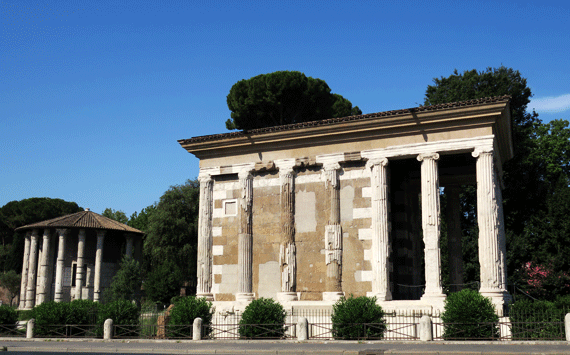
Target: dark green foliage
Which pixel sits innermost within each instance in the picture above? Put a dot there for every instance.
(358, 318)
(263, 318)
(185, 310)
(172, 232)
(118, 216)
(469, 315)
(50, 316)
(8, 315)
(283, 97)
(538, 320)
(12, 282)
(163, 282)
(19, 213)
(123, 313)
(126, 283)
(140, 220)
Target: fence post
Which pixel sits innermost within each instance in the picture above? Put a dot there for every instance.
(108, 329)
(426, 333)
(302, 329)
(567, 326)
(30, 328)
(197, 329)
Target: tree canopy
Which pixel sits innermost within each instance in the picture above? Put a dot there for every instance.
(15, 214)
(283, 97)
(536, 196)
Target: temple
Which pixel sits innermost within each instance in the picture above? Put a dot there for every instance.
(73, 257)
(309, 212)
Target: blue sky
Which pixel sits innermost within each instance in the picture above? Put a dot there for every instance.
(95, 94)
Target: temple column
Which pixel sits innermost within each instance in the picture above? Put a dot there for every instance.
(492, 244)
(431, 226)
(24, 281)
(454, 238)
(43, 272)
(333, 234)
(380, 229)
(98, 262)
(204, 269)
(129, 248)
(80, 272)
(287, 249)
(32, 270)
(245, 237)
(60, 264)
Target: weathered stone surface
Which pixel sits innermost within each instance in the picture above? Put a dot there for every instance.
(108, 329)
(204, 284)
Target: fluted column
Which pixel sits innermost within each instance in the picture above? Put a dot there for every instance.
(60, 264)
(80, 271)
(380, 229)
(333, 234)
(204, 268)
(454, 238)
(43, 271)
(24, 281)
(287, 249)
(32, 270)
(245, 238)
(492, 245)
(98, 262)
(431, 225)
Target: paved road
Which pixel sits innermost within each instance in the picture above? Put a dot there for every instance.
(45, 346)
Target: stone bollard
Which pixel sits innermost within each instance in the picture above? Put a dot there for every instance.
(197, 329)
(302, 329)
(567, 326)
(108, 329)
(30, 328)
(426, 333)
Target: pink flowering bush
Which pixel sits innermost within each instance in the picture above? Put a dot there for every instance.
(543, 282)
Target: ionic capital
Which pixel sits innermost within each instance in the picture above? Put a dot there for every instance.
(331, 166)
(482, 151)
(245, 173)
(428, 156)
(286, 171)
(204, 178)
(376, 162)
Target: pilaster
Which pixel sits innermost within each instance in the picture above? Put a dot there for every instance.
(98, 261)
(431, 226)
(204, 268)
(60, 264)
(25, 265)
(380, 229)
(333, 234)
(287, 249)
(32, 270)
(80, 270)
(245, 237)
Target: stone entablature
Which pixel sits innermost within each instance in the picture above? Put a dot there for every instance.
(307, 214)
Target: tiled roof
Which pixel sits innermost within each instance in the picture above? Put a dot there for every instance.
(330, 121)
(83, 219)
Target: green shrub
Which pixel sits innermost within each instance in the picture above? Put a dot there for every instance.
(182, 316)
(359, 317)
(469, 315)
(123, 313)
(163, 282)
(538, 319)
(263, 318)
(52, 316)
(8, 315)
(126, 284)
(24, 314)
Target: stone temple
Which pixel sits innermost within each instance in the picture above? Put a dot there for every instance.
(74, 257)
(309, 212)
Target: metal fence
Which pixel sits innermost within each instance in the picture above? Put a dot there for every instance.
(12, 330)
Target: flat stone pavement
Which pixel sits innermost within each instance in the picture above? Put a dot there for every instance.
(289, 347)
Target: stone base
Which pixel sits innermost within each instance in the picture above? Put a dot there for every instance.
(245, 297)
(435, 299)
(332, 296)
(499, 298)
(386, 296)
(207, 296)
(287, 296)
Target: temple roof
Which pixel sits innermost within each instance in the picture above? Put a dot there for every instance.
(84, 219)
(331, 121)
